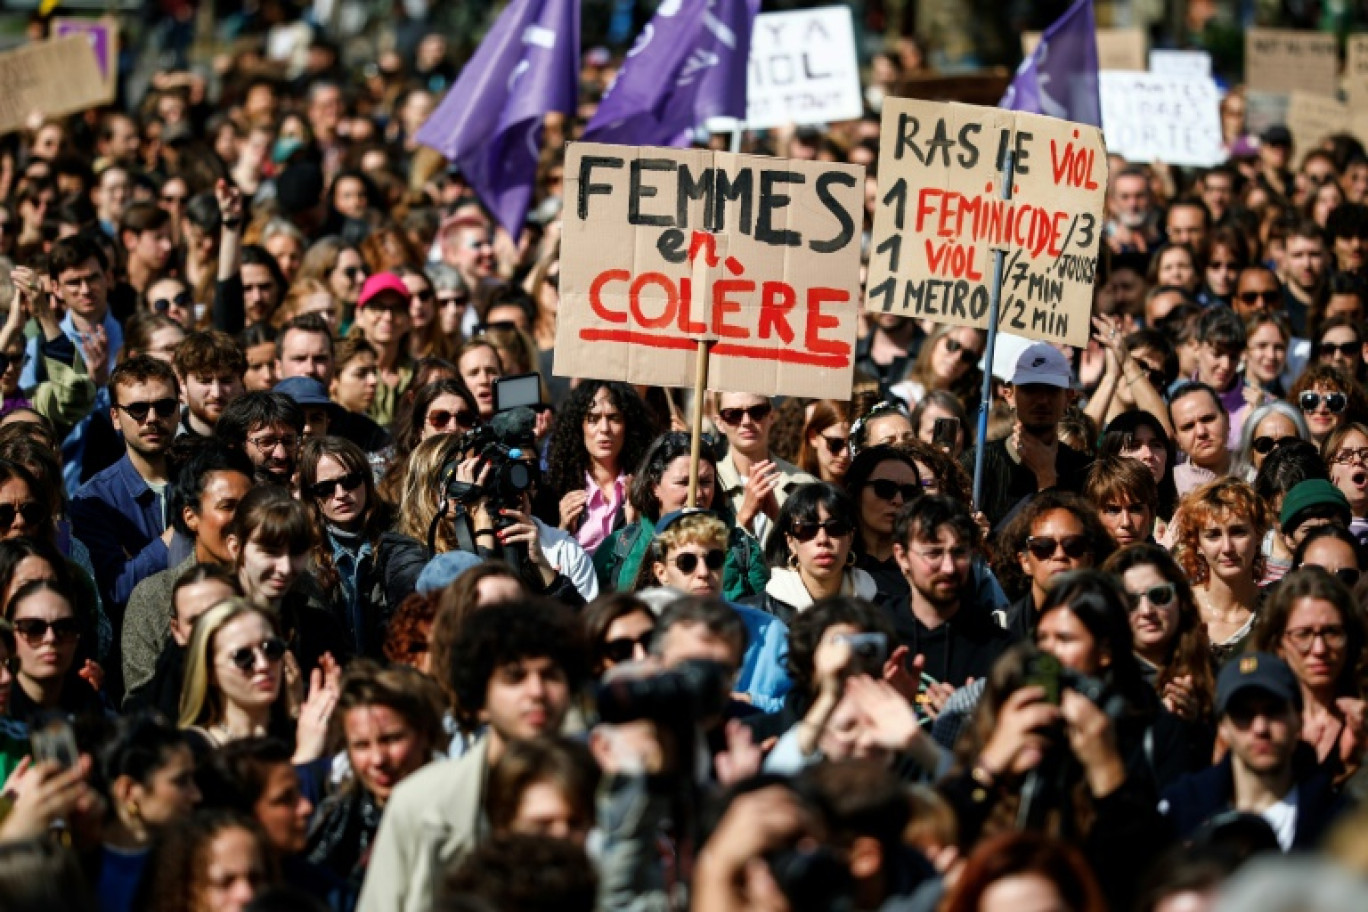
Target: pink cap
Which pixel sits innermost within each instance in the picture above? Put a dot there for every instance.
(380, 283)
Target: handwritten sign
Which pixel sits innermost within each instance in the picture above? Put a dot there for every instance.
(1180, 63)
(1312, 118)
(1356, 71)
(1170, 119)
(940, 215)
(55, 77)
(1285, 61)
(803, 69)
(1117, 48)
(664, 247)
(103, 35)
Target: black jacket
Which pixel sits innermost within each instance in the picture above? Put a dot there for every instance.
(1007, 482)
(966, 646)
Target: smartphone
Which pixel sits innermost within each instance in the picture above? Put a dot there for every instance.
(1043, 670)
(871, 649)
(945, 433)
(54, 740)
(523, 390)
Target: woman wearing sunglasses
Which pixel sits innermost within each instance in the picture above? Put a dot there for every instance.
(825, 450)
(1220, 531)
(1335, 550)
(46, 632)
(1339, 343)
(880, 481)
(1328, 399)
(444, 406)
(1268, 427)
(1312, 623)
(1170, 639)
(618, 627)
(364, 567)
(811, 554)
(425, 338)
(1345, 452)
(947, 361)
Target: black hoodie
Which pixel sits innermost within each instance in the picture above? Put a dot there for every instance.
(964, 647)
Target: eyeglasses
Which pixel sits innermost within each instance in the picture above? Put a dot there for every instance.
(30, 510)
(271, 649)
(268, 444)
(936, 556)
(34, 630)
(425, 295)
(164, 408)
(1334, 402)
(1268, 296)
(1302, 638)
(393, 311)
(622, 649)
(441, 419)
(1330, 349)
(454, 301)
(688, 561)
(966, 354)
(1160, 596)
(806, 531)
(1350, 455)
(835, 445)
(757, 413)
(1265, 445)
(182, 300)
(1045, 547)
(324, 489)
(887, 489)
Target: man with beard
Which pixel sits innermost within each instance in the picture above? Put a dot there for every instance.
(1305, 269)
(935, 541)
(1202, 429)
(1221, 344)
(269, 428)
(120, 514)
(1132, 223)
(210, 367)
(1032, 458)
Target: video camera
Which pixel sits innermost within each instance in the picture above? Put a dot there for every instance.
(684, 695)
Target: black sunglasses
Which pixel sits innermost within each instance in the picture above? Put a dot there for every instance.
(33, 630)
(8, 361)
(1272, 296)
(688, 561)
(966, 354)
(1334, 402)
(1265, 445)
(425, 295)
(1160, 596)
(887, 489)
(272, 649)
(164, 408)
(31, 510)
(504, 325)
(354, 272)
(162, 305)
(623, 649)
(757, 413)
(1044, 547)
(324, 489)
(1330, 349)
(835, 445)
(807, 531)
(441, 418)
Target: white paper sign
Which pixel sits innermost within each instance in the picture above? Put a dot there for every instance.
(1148, 118)
(1180, 63)
(803, 69)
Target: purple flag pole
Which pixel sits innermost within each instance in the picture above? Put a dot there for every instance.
(490, 121)
(688, 64)
(1059, 78)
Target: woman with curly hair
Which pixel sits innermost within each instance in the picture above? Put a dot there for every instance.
(364, 568)
(1328, 399)
(1170, 639)
(600, 435)
(1220, 530)
(217, 861)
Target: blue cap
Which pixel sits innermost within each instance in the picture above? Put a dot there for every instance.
(304, 391)
(445, 569)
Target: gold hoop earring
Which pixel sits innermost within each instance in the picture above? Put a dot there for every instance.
(793, 562)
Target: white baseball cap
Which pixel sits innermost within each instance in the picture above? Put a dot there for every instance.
(1042, 363)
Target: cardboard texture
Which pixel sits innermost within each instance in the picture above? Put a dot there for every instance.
(1312, 118)
(1155, 118)
(940, 215)
(1285, 61)
(1263, 110)
(663, 247)
(103, 35)
(1180, 63)
(53, 78)
(1356, 71)
(1117, 48)
(803, 69)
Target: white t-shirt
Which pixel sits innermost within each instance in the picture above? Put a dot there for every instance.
(1282, 817)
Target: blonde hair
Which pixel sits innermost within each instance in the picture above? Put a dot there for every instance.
(422, 496)
(696, 529)
(199, 702)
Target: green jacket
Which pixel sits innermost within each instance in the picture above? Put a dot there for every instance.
(618, 561)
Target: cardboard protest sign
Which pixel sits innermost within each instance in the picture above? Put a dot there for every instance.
(1170, 119)
(940, 215)
(1117, 48)
(1356, 70)
(1312, 118)
(1286, 61)
(103, 35)
(803, 69)
(53, 78)
(1180, 63)
(664, 247)
(1263, 110)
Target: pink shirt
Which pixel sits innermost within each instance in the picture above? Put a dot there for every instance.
(599, 513)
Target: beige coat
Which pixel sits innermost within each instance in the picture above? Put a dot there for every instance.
(729, 485)
(432, 821)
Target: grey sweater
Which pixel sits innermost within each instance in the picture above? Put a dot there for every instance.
(147, 624)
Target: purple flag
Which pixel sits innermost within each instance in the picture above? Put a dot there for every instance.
(1060, 76)
(490, 121)
(688, 64)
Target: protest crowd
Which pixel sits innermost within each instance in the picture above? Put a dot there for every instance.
(325, 588)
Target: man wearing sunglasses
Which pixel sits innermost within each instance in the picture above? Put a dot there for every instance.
(120, 514)
(1257, 291)
(755, 483)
